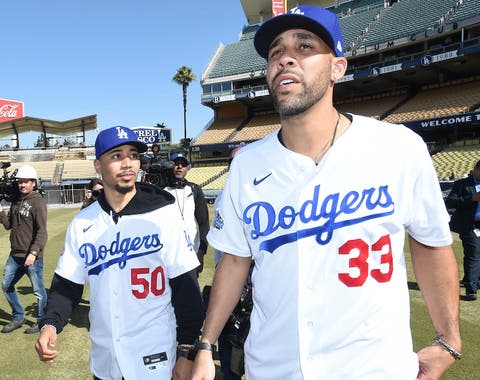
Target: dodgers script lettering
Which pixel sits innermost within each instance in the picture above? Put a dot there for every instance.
(118, 252)
(332, 213)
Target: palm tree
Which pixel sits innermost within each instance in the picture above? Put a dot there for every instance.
(183, 77)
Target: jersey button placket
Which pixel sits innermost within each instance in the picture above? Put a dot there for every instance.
(114, 305)
(304, 296)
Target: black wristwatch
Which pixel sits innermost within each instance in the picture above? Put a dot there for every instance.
(34, 253)
(205, 346)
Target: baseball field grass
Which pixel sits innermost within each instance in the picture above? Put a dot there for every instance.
(18, 359)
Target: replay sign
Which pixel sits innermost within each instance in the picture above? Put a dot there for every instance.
(152, 135)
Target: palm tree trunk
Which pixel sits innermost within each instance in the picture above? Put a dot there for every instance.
(184, 112)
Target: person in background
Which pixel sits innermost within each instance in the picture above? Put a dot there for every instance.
(192, 205)
(316, 206)
(93, 190)
(465, 199)
(27, 222)
(146, 309)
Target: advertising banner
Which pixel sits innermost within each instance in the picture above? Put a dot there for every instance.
(10, 110)
(278, 7)
(152, 135)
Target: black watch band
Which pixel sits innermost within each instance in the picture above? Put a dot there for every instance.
(205, 346)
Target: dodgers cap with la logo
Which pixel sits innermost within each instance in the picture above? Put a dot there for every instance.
(116, 136)
(323, 23)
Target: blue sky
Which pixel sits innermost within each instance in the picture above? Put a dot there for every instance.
(115, 58)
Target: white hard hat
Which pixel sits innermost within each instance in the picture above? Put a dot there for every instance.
(27, 172)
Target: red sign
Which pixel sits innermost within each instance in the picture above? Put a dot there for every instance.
(10, 110)
(278, 7)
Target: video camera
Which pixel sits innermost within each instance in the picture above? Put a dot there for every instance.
(8, 183)
(238, 324)
(158, 169)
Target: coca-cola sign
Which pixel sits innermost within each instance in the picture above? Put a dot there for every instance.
(10, 110)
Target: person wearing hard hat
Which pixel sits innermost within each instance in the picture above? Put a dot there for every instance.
(27, 222)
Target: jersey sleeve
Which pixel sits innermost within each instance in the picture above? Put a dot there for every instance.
(227, 232)
(427, 218)
(70, 265)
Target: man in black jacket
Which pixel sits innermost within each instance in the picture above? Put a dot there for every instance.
(132, 249)
(192, 205)
(465, 197)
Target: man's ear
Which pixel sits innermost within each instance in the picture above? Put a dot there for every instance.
(339, 67)
(97, 165)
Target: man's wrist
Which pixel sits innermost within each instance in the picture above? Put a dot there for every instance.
(48, 325)
(456, 354)
(199, 345)
(186, 351)
(34, 253)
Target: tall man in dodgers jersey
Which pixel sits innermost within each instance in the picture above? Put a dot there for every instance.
(322, 206)
(130, 246)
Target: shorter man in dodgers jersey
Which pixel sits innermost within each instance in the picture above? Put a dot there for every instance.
(322, 206)
(131, 248)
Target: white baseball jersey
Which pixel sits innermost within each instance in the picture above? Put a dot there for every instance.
(128, 266)
(330, 286)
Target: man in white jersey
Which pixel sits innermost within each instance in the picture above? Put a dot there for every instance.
(131, 247)
(318, 208)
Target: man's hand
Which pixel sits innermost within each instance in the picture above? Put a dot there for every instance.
(46, 341)
(183, 369)
(203, 367)
(29, 260)
(434, 361)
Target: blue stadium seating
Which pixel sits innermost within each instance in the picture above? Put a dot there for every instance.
(405, 18)
(466, 9)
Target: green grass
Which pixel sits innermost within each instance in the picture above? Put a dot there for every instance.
(18, 359)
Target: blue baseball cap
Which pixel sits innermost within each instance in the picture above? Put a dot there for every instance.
(323, 23)
(116, 136)
(181, 156)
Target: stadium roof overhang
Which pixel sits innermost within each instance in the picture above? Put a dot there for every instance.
(45, 126)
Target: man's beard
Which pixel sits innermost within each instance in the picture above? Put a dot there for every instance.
(295, 107)
(124, 189)
(307, 98)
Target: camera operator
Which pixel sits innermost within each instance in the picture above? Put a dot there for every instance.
(192, 205)
(27, 220)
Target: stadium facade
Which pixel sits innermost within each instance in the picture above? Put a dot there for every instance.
(414, 62)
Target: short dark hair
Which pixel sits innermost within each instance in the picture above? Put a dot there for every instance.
(94, 182)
